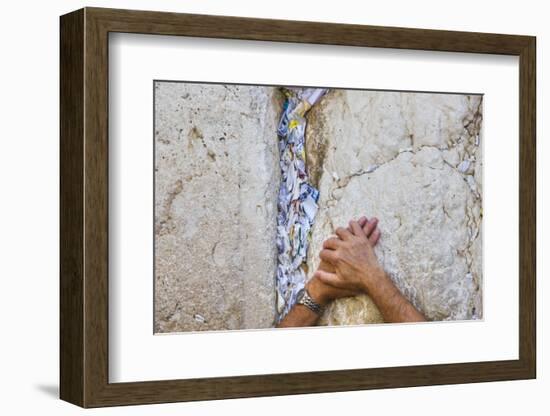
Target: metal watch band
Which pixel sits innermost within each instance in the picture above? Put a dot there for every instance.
(309, 303)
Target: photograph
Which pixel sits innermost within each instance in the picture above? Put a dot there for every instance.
(300, 206)
(285, 203)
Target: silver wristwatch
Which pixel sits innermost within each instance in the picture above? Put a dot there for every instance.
(305, 299)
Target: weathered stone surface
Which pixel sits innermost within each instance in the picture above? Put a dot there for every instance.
(414, 161)
(216, 163)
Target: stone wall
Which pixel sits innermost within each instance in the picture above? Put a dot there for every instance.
(216, 170)
(414, 161)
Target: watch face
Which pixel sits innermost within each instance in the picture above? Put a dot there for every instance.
(300, 295)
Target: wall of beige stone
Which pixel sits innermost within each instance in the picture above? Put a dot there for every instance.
(217, 171)
(415, 162)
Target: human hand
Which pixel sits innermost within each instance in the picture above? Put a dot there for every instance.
(322, 292)
(354, 264)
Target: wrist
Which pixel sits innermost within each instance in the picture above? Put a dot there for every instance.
(315, 288)
(374, 280)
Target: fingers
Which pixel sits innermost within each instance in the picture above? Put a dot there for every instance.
(327, 278)
(332, 243)
(356, 229)
(374, 237)
(343, 233)
(328, 255)
(370, 226)
(362, 222)
(346, 293)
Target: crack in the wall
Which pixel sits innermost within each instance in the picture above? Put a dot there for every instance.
(297, 201)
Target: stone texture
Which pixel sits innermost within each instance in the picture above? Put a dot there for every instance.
(414, 161)
(216, 163)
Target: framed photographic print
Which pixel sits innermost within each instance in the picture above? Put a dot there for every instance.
(255, 207)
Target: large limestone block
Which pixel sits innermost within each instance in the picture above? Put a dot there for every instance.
(414, 161)
(216, 170)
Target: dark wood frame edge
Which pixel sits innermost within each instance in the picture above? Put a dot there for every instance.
(84, 207)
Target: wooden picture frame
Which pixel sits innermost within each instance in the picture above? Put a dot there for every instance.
(84, 207)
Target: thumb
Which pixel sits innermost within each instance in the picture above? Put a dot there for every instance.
(327, 277)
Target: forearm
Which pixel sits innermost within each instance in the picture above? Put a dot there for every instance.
(299, 315)
(393, 306)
